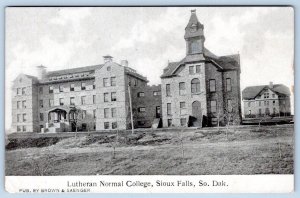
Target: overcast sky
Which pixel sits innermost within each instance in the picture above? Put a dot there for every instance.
(60, 38)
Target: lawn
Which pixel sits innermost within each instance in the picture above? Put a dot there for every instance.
(246, 150)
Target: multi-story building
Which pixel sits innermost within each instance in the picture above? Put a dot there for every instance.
(201, 89)
(266, 100)
(85, 99)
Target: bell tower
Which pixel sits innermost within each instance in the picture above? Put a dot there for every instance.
(194, 36)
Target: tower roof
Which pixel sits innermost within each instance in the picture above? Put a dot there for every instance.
(194, 27)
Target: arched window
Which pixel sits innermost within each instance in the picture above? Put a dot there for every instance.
(195, 85)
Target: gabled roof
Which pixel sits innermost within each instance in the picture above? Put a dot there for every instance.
(224, 63)
(32, 77)
(253, 91)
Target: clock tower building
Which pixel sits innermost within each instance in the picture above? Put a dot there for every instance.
(201, 89)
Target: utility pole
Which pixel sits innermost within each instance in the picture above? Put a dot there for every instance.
(130, 105)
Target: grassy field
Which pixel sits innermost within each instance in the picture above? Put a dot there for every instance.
(246, 150)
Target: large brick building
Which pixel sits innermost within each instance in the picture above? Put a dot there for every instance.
(266, 100)
(87, 98)
(201, 89)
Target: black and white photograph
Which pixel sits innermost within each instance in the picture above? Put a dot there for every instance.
(149, 91)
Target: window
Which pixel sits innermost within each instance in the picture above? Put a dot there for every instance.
(50, 89)
(229, 105)
(41, 127)
(191, 69)
(228, 84)
(169, 110)
(61, 88)
(259, 103)
(182, 88)
(23, 90)
(72, 87)
(249, 112)
(198, 68)
(194, 47)
(83, 114)
(51, 102)
(274, 110)
(114, 125)
(273, 95)
(83, 126)
(213, 106)
(141, 94)
(266, 95)
(106, 125)
(83, 100)
(141, 123)
(195, 85)
(18, 104)
(113, 96)
(106, 112)
(182, 107)
(168, 89)
(18, 117)
(24, 128)
(72, 101)
(135, 82)
(106, 97)
(212, 85)
(18, 128)
(259, 111)
(61, 101)
(156, 93)
(83, 86)
(94, 113)
(267, 111)
(267, 103)
(40, 90)
(24, 104)
(94, 99)
(24, 117)
(169, 122)
(182, 121)
(41, 117)
(273, 102)
(113, 112)
(113, 81)
(141, 109)
(19, 91)
(41, 104)
(94, 86)
(105, 82)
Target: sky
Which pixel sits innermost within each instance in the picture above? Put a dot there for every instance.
(148, 38)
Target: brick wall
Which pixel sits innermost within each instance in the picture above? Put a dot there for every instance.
(149, 101)
(188, 97)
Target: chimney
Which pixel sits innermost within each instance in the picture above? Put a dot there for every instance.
(41, 72)
(124, 63)
(271, 85)
(108, 58)
(193, 11)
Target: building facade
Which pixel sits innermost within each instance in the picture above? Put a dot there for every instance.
(266, 100)
(201, 89)
(83, 99)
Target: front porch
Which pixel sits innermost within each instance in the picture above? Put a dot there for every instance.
(61, 119)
